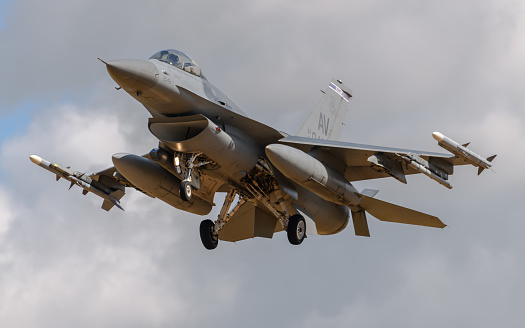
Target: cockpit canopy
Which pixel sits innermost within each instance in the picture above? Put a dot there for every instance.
(179, 60)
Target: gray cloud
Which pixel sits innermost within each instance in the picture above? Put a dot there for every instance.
(415, 67)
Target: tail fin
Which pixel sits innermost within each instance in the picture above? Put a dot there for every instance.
(326, 119)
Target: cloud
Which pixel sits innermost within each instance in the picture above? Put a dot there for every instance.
(435, 292)
(66, 261)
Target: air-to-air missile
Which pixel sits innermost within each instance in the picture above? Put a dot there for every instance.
(111, 197)
(422, 166)
(462, 152)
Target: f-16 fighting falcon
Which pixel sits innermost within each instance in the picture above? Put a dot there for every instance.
(300, 184)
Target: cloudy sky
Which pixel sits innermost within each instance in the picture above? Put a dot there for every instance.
(415, 67)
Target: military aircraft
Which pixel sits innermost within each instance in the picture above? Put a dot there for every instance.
(300, 184)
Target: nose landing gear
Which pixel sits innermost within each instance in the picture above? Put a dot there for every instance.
(185, 169)
(186, 190)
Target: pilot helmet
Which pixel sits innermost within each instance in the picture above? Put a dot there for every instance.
(173, 59)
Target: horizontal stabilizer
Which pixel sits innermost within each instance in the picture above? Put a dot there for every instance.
(384, 211)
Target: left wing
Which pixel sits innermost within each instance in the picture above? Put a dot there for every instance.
(364, 162)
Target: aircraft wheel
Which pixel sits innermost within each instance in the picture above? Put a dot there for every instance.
(186, 191)
(296, 229)
(207, 238)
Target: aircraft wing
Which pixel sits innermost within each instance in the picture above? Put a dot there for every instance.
(357, 157)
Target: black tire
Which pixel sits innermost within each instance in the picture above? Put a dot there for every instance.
(296, 229)
(207, 238)
(186, 191)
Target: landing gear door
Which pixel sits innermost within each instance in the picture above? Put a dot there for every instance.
(311, 228)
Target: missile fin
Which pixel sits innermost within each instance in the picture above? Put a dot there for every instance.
(360, 224)
(466, 144)
(58, 177)
(489, 159)
(71, 185)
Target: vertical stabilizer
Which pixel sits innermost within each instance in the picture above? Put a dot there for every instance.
(326, 119)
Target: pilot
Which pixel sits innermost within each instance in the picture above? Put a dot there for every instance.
(173, 59)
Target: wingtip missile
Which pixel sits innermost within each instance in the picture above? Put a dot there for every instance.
(35, 159)
(438, 136)
(110, 195)
(461, 151)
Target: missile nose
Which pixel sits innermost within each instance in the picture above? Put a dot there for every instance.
(438, 136)
(35, 159)
(133, 75)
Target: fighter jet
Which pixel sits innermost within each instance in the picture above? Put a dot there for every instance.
(300, 184)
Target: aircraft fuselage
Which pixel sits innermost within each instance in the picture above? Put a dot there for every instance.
(181, 101)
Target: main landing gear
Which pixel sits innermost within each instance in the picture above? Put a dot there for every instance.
(259, 184)
(208, 238)
(209, 230)
(296, 229)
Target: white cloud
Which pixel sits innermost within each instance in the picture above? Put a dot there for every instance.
(435, 292)
(8, 212)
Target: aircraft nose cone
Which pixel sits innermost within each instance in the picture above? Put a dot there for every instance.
(133, 75)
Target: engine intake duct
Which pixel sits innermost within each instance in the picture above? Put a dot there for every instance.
(196, 133)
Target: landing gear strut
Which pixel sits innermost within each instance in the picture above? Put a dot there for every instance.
(210, 230)
(185, 170)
